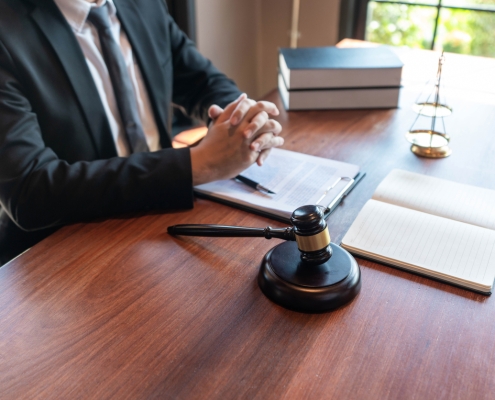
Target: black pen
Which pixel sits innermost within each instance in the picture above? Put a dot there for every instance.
(253, 184)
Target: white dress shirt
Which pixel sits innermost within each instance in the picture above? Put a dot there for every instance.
(76, 13)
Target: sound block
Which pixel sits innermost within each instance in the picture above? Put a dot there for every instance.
(287, 281)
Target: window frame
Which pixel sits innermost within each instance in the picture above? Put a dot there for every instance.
(353, 16)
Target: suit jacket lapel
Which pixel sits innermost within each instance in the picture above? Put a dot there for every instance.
(142, 41)
(60, 35)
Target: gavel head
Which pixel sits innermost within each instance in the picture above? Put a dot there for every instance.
(312, 236)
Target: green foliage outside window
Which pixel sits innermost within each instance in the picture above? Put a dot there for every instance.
(459, 31)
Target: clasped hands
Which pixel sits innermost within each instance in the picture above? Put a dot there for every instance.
(238, 136)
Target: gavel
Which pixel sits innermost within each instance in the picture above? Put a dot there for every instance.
(308, 272)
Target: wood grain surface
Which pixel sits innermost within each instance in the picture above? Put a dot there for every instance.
(120, 309)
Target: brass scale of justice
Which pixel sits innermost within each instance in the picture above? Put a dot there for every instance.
(309, 273)
(430, 142)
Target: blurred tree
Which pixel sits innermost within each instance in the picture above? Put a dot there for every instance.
(459, 31)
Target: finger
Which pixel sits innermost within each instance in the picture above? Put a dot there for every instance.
(269, 107)
(266, 141)
(261, 106)
(227, 113)
(241, 110)
(263, 156)
(214, 111)
(270, 126)
(259, 121)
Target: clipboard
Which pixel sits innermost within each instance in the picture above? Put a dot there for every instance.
(330, 208)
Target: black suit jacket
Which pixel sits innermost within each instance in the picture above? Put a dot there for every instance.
(58, 162)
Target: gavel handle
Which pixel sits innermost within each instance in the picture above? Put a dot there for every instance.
(231, 231)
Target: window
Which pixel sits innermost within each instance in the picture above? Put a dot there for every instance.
(457, 26)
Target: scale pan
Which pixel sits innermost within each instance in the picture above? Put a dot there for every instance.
(427, 138)
(432, 109)
(427, 143)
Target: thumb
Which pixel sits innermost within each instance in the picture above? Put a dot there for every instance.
(214, 112)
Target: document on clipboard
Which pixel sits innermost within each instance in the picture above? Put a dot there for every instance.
(296, 179)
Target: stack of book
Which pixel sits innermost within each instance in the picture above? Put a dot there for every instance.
(315, 78)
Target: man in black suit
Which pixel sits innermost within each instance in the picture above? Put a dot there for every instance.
(63, 157)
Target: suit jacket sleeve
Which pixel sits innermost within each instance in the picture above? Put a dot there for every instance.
(40, 190)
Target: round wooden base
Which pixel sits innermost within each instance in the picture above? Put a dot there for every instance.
(285, 280)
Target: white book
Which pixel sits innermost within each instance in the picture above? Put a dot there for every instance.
(297, 180)
(429, 226)
(347, 98)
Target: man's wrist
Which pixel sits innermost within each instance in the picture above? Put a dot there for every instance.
(201, 173)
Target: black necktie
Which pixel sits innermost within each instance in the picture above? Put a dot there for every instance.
(121, 82)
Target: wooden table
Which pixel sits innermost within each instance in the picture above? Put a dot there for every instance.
(120, 309)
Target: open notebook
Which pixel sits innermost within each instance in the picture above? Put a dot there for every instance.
(430, 226)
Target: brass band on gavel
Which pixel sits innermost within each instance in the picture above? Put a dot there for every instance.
(313, 242)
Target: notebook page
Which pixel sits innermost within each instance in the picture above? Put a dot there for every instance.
(449, 250)
(465, 203)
